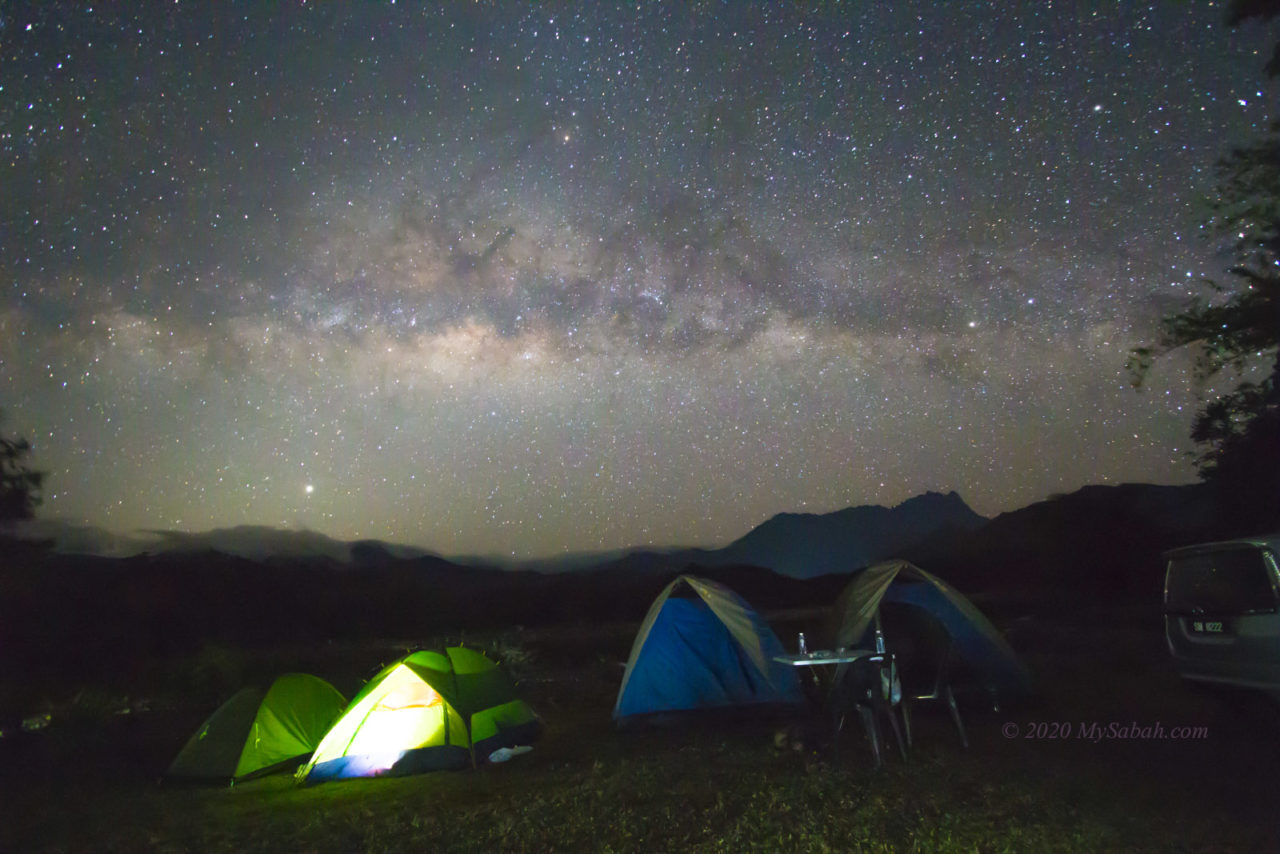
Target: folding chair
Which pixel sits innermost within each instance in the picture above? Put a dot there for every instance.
(873, 687)
(938, 689)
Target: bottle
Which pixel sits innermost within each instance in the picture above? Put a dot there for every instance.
(879, 642)
(803, 650)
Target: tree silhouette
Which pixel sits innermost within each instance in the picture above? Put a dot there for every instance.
(1240, 11)
(1235, 329)
(19, 486)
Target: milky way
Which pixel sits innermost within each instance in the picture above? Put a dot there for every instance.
(520, 278)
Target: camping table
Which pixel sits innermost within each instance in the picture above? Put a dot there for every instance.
(829, 703)
(824, 657)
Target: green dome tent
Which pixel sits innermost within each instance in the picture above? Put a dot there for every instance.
(256, 733)
(425, 712)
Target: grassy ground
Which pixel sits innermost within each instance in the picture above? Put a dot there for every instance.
(88, 784)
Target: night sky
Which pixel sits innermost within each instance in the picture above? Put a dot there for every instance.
(521, 278)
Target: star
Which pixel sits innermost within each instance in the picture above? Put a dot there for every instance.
(747, 290)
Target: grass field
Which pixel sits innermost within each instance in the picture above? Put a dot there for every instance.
(88, 783)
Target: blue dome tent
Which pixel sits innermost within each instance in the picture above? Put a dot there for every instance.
(702, 647)
(977, 642)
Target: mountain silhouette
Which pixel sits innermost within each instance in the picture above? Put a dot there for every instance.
(808, 545)
(1099, 540)
(804, 545)
(1107, 537)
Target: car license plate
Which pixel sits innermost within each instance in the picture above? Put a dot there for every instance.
(1208, 627)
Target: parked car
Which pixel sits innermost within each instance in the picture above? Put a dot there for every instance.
(1222, 611)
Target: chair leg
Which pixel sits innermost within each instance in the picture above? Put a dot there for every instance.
(872, 728)
(836, 723)
(955, 716)
(906, 721)
(897, 732)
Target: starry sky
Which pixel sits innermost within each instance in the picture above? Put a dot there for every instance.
(522, 278)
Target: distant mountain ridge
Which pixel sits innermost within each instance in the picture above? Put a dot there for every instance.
(251, 542)
(1063, 537)
(804, 545)
(1105, 538)
(800, 545)
(807, 545)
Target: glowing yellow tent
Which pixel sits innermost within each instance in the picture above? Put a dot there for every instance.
(425, 712)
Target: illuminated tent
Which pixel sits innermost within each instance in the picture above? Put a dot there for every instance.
(977, 642)
(425, 712)
(256, 733)
(702, 647)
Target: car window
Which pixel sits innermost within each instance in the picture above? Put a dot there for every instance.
(1232, 581)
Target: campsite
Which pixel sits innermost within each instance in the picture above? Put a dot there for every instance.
(639, 427)
(1111, 752)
